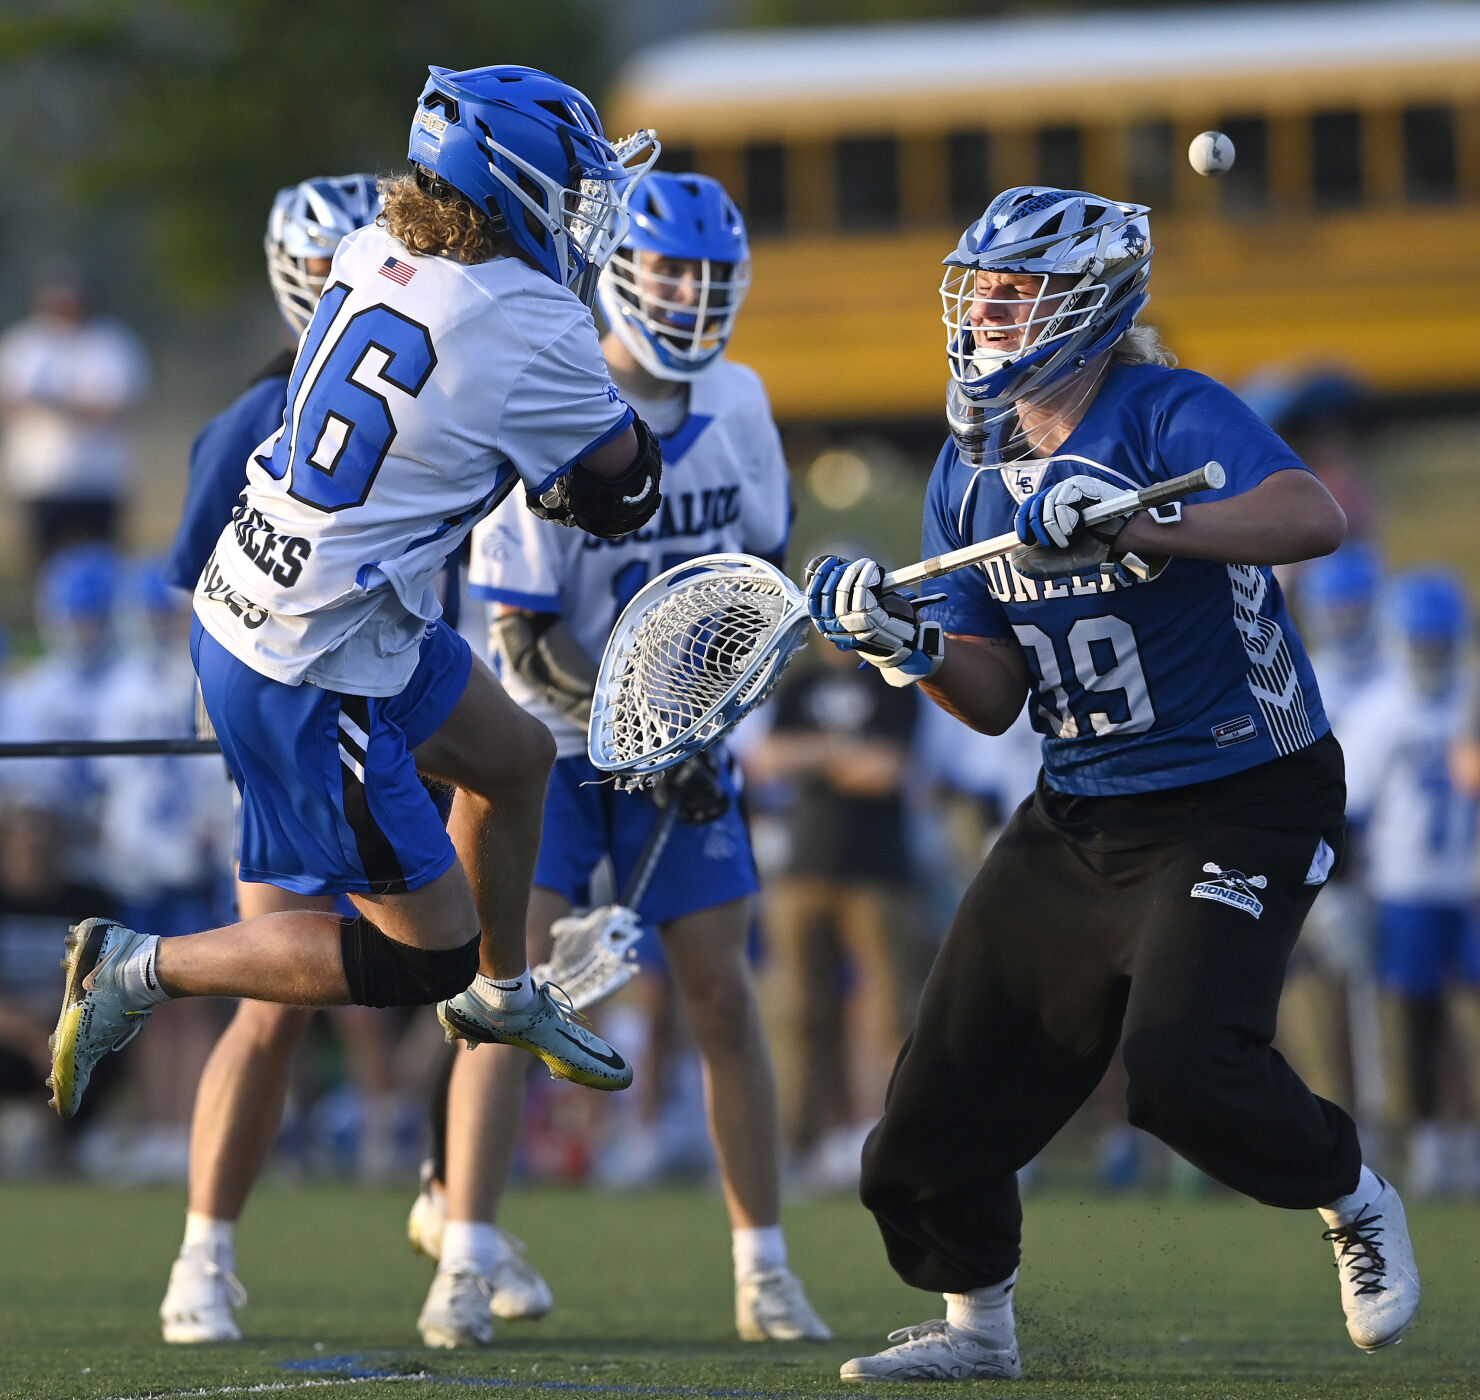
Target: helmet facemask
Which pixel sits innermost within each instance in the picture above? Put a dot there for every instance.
(674, 326)
(308, 221)
(1084, 261)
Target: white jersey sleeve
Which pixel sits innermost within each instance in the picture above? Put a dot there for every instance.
(424, 391)
(767, 507)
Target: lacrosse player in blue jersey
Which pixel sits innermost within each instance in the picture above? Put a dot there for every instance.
(669, 295)
(452, 356)
(1191, 800)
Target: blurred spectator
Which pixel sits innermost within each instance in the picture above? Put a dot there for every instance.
(1315, 413)
(165, 837)
(68, 381)
(1329, 1019)
(838, 917)
(1419, 836)
(38, 902)
(60, 695)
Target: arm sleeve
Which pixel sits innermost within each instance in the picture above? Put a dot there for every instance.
(969, 608)
(520, 560)
(560, 406)
(1205, 422)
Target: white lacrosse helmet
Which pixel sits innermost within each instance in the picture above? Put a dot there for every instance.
(1104, 245)
(675, 327)
(308, 220)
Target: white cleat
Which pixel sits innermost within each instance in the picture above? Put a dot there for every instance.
(520, 1293)
(428, 1216)
(456, 1313)
(773, 1307)
(200, 1302)
(935, 1351)
(550, 1028)
(1379, 1278)
(94, 1019)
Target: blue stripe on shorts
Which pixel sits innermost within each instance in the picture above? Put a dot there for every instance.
(331, 800)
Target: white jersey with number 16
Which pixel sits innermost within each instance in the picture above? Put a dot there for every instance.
(421, 387)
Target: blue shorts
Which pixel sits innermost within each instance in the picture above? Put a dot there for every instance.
(587, 818)
(331, 800)
(1422, 948)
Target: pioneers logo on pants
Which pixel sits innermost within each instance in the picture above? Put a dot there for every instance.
(1231, 887)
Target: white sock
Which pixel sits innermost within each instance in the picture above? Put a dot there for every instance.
(136, 977)
(1345, 1208)
(505, 994)
(216, 1237)
(984, 1312)
(758, 1250)
(468, 1247)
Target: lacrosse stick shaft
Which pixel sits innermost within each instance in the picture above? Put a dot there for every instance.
(1207, 478)
(652, 852)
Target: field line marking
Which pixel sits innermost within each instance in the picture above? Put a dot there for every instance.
(359, 1368)
(271, 1387)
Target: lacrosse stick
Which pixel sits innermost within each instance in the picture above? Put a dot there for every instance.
(593, 955)
(703, 644)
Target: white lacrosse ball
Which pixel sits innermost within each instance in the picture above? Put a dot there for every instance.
(1211, 153)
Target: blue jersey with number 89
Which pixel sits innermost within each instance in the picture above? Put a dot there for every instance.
(1137, 686)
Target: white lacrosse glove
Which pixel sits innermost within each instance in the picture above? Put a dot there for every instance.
(592, 955)
(849, 605)
(1057, 542)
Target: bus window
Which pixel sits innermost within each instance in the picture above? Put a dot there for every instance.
(968, 174)
(1151, 162)
(678, 160)
(1336, 159)
(1060, 157)
(1428, 154)
(1245, 188)
(868, 182)
(765, 188)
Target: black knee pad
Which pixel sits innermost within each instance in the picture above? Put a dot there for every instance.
(382, 972)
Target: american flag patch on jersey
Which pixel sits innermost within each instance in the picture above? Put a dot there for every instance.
(397, 271)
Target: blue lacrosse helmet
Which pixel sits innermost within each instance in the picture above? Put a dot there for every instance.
(78, 583)
(1104, 245)
(529, 152)
(1346, 579)
(308, 220)
(676, 325)
(1430, 607)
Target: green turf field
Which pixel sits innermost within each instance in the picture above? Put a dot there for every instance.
(1120, 1300)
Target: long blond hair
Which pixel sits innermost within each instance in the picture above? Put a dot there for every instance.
(449, 228)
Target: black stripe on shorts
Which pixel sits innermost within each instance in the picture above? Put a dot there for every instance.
(378, 857)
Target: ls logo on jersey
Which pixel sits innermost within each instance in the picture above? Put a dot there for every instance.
(1231, 887)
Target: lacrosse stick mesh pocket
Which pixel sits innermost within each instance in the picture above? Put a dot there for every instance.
(703, 655)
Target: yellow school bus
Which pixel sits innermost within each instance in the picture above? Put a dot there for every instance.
(1345, 236)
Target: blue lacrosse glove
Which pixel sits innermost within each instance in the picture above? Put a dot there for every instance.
(849, 606)
(1057, 542)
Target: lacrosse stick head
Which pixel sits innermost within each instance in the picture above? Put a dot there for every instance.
(692, 654)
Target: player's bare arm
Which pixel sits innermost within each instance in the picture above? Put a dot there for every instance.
(1287, 517)
(983, 681)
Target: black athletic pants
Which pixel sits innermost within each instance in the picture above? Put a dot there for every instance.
(1096, 922)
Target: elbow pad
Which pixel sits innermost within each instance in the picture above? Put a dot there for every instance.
(544, 654)
(606, 506)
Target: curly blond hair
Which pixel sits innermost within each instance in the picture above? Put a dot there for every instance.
(437, 227)
(1142, 345)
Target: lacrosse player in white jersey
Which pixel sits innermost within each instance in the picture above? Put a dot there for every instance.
(669, 295)
(451, 354)
(1418, 838)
